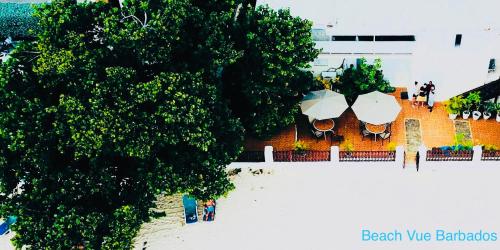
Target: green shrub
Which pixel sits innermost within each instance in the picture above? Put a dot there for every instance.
(362, 79)
(16, 20)
(474, 99)
(300, 146)
(391, 146)
(490, 107)
(490, 147)
(462, 143)
(347, 145)
(455, 104)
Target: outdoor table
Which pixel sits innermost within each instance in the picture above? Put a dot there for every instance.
(375, 129)
(324, 125)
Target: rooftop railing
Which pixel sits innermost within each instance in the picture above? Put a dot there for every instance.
(490, 155)
(436, 154)
(301, 156)
(359, 156)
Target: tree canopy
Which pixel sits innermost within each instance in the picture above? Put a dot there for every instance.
(109, 107)
(363, 79)
(266, 84)
(104, 110)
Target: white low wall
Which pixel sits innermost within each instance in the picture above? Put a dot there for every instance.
(334, 161)
(263, 165)
(398, 163)
(476, 161)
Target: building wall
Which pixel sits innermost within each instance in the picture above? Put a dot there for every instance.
(432, 56)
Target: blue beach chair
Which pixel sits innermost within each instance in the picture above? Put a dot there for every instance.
(190, 209)
(4, 227)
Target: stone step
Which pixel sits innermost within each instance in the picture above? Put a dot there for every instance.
(410, 157)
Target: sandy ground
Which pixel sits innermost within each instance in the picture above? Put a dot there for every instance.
(5, 241)
(326, 208)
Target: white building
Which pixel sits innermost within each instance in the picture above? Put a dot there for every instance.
(451, 42)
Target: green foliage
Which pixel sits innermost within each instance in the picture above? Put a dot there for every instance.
(474, 99)
(455, 104)
(300, 146)
(363, 79)
(347, 145)
(124, 226)
(391, 146)
(266, 84)
(16, 20)
(490, 107)
(467, 105)
(101, 113)
(460, 142)
(490, 147)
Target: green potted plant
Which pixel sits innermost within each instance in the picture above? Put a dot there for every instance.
(348, 147)
(454, 106)
(300, 147)
(467, 105)
(489, 108)
(391, 146)
(490, 147)
(461, 143)
(489, 150)
(475, 99)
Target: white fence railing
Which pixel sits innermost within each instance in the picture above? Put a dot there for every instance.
(335, 158)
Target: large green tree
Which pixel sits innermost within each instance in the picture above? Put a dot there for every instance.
(266, 84)
(107, 108)
(362, 79)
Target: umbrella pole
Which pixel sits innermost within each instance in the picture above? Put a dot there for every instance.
(296, 132)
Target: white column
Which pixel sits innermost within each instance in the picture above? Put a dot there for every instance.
(334, 154)
(478, 151)
(422, 150)
(268, 154)
(400, 156)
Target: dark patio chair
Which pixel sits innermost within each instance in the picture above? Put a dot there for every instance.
(386, 134)
(317, 134)
(361, 127)
(363, 131)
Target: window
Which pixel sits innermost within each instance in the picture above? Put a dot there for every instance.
(319, 35)
(365, 38)
(492, 66)
(408, 38)
(458, 40)
(343, 38)
(320, 62)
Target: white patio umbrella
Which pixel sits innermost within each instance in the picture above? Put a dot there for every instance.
(376, 108)
(323, 104)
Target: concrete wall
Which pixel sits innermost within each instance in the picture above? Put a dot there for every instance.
(433, 56)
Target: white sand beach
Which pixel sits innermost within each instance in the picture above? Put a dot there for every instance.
(328, 207)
